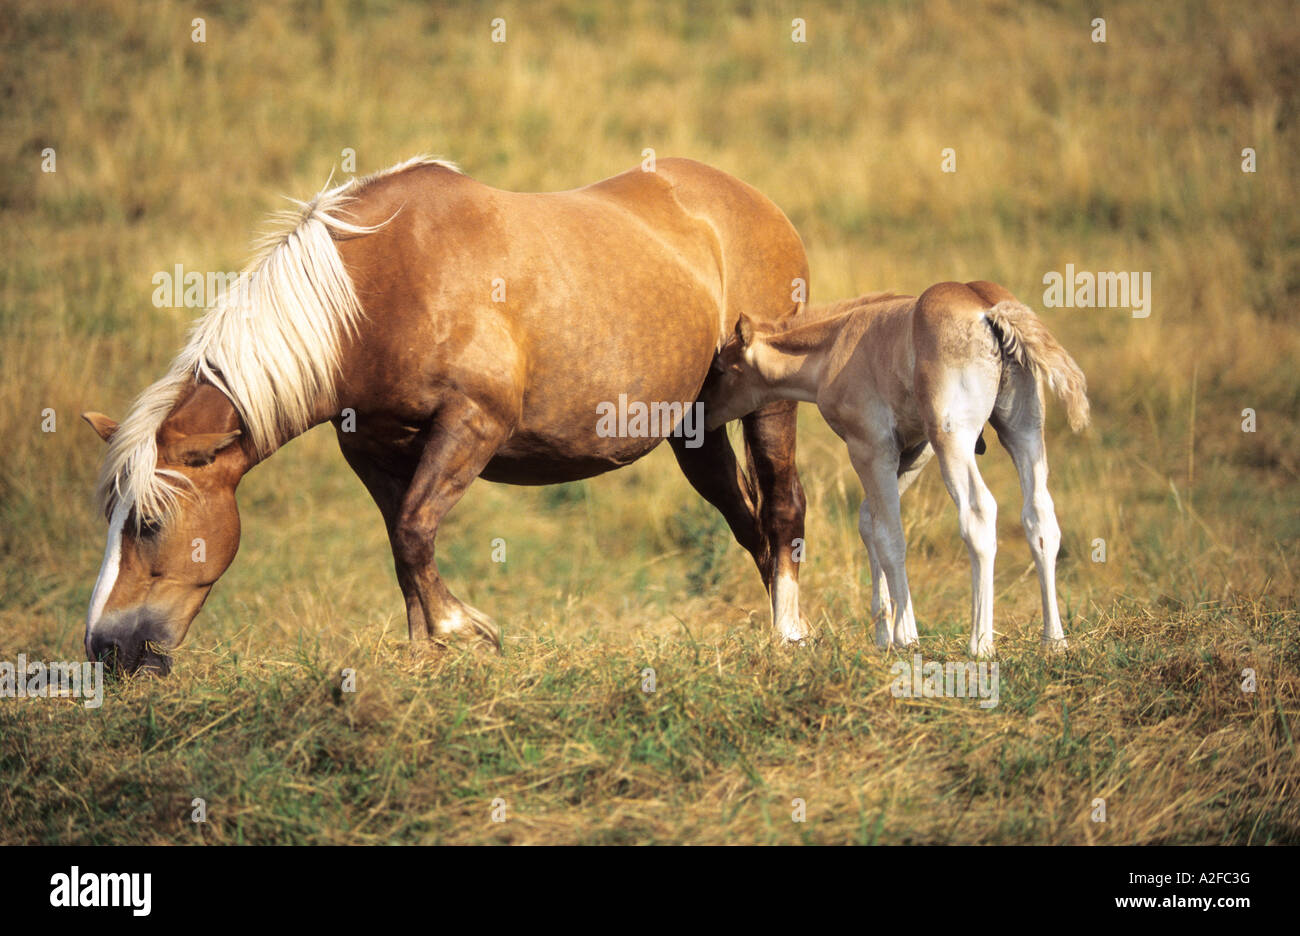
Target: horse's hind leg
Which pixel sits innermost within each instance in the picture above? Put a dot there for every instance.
(462, 438)
(1018, 418)
(712, 471)
(770, 444)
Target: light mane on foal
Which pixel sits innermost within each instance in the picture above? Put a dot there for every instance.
(271, 345)
(820, 324)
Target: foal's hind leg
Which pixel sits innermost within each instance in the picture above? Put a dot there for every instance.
(770, 444)
(977, 513)
(461, 441)
(1019, 422)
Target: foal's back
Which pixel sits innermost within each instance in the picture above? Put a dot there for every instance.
(870, 363)
(896, 357)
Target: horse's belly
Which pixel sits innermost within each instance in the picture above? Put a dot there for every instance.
(543, 463)
(596, 431)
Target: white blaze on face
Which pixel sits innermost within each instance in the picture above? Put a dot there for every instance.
(108, 569)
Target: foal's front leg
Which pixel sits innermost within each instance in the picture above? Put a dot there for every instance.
(882, 609)
(880, 520)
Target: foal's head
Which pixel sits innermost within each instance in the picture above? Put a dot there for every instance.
(734, 386)
(160, 565)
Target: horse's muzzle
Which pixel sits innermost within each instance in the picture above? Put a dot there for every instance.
(125, 648)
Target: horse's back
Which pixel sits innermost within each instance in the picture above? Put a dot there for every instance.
(768, 266)
(719, 227)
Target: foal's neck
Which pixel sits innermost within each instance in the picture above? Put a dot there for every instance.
(792, 361)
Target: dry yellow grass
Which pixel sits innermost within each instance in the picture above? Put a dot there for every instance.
(1122, 156)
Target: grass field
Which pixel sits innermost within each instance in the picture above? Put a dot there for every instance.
(1123, 155)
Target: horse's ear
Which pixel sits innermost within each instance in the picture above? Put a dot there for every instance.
(101, 424)
(198, 449)
(744, 330)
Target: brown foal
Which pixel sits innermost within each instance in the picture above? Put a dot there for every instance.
(451, 331)
(902, 379)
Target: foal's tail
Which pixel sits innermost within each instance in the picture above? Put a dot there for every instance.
(1026, 340)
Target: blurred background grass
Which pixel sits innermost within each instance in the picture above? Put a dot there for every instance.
(1117, 156)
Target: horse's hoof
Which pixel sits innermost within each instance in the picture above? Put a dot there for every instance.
(1055, 645)
(469, 629)
(796, 632)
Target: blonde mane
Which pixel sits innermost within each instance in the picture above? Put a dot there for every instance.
(271, 345)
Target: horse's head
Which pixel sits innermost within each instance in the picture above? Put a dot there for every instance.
(157, 571)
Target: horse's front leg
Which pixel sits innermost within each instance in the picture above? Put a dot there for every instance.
(770, 445)
(461, 440)
(388, 480)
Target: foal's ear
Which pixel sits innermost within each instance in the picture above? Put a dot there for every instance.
(101, 424)
(198, 449)
(744, 330)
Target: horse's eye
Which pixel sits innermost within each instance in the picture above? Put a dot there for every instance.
(150, 528)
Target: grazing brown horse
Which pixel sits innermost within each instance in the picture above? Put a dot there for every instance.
(450, 331)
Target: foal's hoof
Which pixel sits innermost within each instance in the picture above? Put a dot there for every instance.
(908, 638)
(1055, 645)
(981, 648)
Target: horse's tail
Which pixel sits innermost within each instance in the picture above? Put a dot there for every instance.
(1026, 340)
